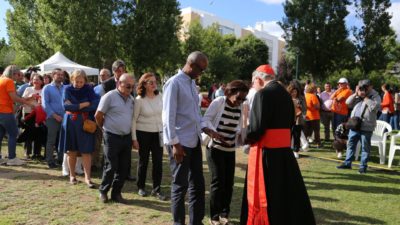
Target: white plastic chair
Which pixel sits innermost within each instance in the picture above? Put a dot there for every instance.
(378, 139)
(393, 148)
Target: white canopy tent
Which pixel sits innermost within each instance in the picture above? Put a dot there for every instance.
(59, 60)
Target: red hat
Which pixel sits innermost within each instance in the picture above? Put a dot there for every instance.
(266, 69)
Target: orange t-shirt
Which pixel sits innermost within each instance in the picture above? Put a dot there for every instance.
(340, 107)
(311, 102)
(6, 103)
(387, 103)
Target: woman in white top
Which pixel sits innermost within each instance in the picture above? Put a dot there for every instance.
(224, 116)
(34, 134)
(147, 133)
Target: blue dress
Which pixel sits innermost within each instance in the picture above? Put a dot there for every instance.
(72, 136)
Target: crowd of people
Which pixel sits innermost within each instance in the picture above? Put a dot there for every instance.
(72, 119)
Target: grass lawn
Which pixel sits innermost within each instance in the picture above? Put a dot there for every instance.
(34, 194)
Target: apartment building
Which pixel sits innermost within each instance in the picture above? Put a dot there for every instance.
(275, 44)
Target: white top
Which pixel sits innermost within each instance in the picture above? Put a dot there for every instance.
(212, 118)
(147, 115)
(29, 92)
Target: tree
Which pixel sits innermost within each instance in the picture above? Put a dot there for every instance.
(82, 30)
(149, 35)
(249, 52)
(371, 37)
(285, 70)
(317, 29)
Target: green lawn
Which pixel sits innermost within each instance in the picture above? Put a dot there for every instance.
(33, 194)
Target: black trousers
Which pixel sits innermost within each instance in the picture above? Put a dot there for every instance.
(117, 155)
(149, 142)
(296, 134)
(222, 167)
(187, 175)
(313, 126)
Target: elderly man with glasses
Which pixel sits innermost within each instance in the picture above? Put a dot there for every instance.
(114, 114)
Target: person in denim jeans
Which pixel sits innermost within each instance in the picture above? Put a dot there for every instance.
(365, 103)
(8, 123)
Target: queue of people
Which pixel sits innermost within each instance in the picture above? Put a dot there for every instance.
(269, 119)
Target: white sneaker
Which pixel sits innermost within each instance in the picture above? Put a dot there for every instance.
(3, 161)
(15, 162)
(305, 147)
(339, 155)
(296, 155)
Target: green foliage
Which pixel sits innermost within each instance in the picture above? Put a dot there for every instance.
(316, 29)
(374, 34)
(229, 58)
(149, 35)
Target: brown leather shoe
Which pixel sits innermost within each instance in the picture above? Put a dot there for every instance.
(103, 197)
(118, 198)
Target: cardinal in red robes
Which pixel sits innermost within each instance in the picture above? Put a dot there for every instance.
(274, 192)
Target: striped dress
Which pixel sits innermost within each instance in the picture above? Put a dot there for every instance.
(227, 127)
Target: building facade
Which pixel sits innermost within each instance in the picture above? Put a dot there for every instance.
(275, 44)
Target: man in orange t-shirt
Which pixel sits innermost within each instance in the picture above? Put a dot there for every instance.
(8, 123)
(339, 107)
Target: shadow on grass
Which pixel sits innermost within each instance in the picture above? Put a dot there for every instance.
(13, 173)
(354, 188)
(323, 199)
(356, 177)
(325, 216)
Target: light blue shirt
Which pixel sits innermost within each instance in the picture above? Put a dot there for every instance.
(181, 114)
(99, 90)
(52, 100)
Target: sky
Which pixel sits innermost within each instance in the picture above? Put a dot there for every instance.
(243, 12)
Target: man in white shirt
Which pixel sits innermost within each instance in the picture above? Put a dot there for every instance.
(326, 114)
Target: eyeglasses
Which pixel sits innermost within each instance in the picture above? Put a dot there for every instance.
(128, 86)
(201, 70)
(151, 82)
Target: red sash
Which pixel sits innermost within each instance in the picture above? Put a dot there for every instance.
(256, 190)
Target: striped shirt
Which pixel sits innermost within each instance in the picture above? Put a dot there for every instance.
(227, 128)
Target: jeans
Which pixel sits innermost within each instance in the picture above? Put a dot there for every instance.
(187, 175)
(53, 128)
(354, 137)
(149, 142)
(394, 120)
(117, 156)
(385, 117)
(8, 124)
(338, 119)
(222, 167)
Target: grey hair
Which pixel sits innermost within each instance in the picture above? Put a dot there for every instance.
(261, 75)
(117, 64)
(195, 57)
(106, 70)
(125, 76)
(10, 71)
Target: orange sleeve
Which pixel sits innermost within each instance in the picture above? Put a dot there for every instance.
(10, 87)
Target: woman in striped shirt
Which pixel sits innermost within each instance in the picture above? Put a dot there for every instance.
(224, 115)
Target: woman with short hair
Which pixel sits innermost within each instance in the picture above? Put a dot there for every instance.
(80, 103)
(223, 123)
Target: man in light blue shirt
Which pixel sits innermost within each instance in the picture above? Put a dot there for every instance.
(181, 123)
(104, 75)
(53, 106)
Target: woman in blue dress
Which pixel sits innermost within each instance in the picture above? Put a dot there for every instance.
(80, 103)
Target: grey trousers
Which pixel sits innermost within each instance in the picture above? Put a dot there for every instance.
(327, 121)
(53, 128)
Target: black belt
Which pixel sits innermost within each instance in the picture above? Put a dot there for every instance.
(119, 135)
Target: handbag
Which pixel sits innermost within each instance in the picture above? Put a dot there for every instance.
(89, 126)
(354, 123)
